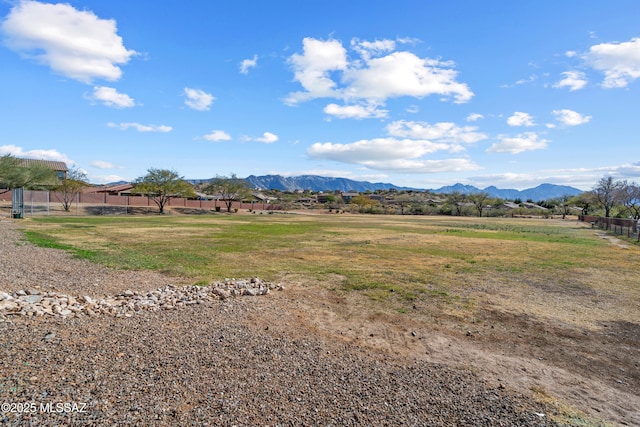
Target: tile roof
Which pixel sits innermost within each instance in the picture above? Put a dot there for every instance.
(57, 166)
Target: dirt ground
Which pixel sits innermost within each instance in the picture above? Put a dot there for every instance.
(589, 369)
(593, 375)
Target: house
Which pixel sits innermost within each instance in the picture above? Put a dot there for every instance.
(261, 198)
(322, 198)
(113, 190)
(349, 195)
(59, 167)
(530, 205)
(306, 200)
(526, 205)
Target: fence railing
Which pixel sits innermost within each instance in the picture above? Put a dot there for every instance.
(50, 203)
(619, 226)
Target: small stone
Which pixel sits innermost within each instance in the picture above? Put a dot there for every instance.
(251, 292)
(9, 306)
(223, 294)
(32, 299)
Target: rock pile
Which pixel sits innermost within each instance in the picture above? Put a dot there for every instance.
(32, 302)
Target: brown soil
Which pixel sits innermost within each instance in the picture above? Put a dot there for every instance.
(592, 375)
(590, 370)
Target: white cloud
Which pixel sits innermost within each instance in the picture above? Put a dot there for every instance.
(532, 78)
(324, 71)
(442, 132)
(570, 118)
(620, 62)
(246, 64)
(390, 154)
(574, 80)
(378, 149)
(106, 179)
(582, 178)
(198, 99)
(527, 141)
(474, 117)
(367, 49)
(311, 69)
(404, 74)
(423, 166)
(334, 173)
(140, 127)
(111, 97)
(217, 135)
(101, 164)
(520, 119)
(74, 43)
(38, 154)
(355, 111)
(267, 138)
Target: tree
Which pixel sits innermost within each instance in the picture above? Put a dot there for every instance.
(584, 201)
(230, 189)
(162, 185)
(479, 201)
(607, 193)
(629, 196)
(362, 202)
(70, 186)
(14, 174)
(457, 199)
(404, 200)
(563, 205)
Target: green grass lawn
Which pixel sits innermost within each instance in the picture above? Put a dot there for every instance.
(399, 256)
(441, 272)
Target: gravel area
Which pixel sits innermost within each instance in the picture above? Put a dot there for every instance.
(238, 361)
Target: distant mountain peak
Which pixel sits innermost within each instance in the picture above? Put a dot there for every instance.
(541, 192)
(322, 183)
(315, 183)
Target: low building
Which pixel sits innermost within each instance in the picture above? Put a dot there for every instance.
(60, 167)
(112, 190)
(347, 196)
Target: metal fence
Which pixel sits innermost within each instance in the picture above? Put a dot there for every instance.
(38, 203)
(620, 226)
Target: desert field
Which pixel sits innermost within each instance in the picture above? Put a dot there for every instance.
(547, 308)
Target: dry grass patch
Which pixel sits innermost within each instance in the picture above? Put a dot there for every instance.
(557, 270)
(499, 294)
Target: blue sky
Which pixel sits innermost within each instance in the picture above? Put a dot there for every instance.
(416, 93)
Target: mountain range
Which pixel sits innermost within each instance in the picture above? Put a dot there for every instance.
(316, 183)
(541, 192)
(322, 183)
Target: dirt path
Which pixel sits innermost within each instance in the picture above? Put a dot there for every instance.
(554, 363)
